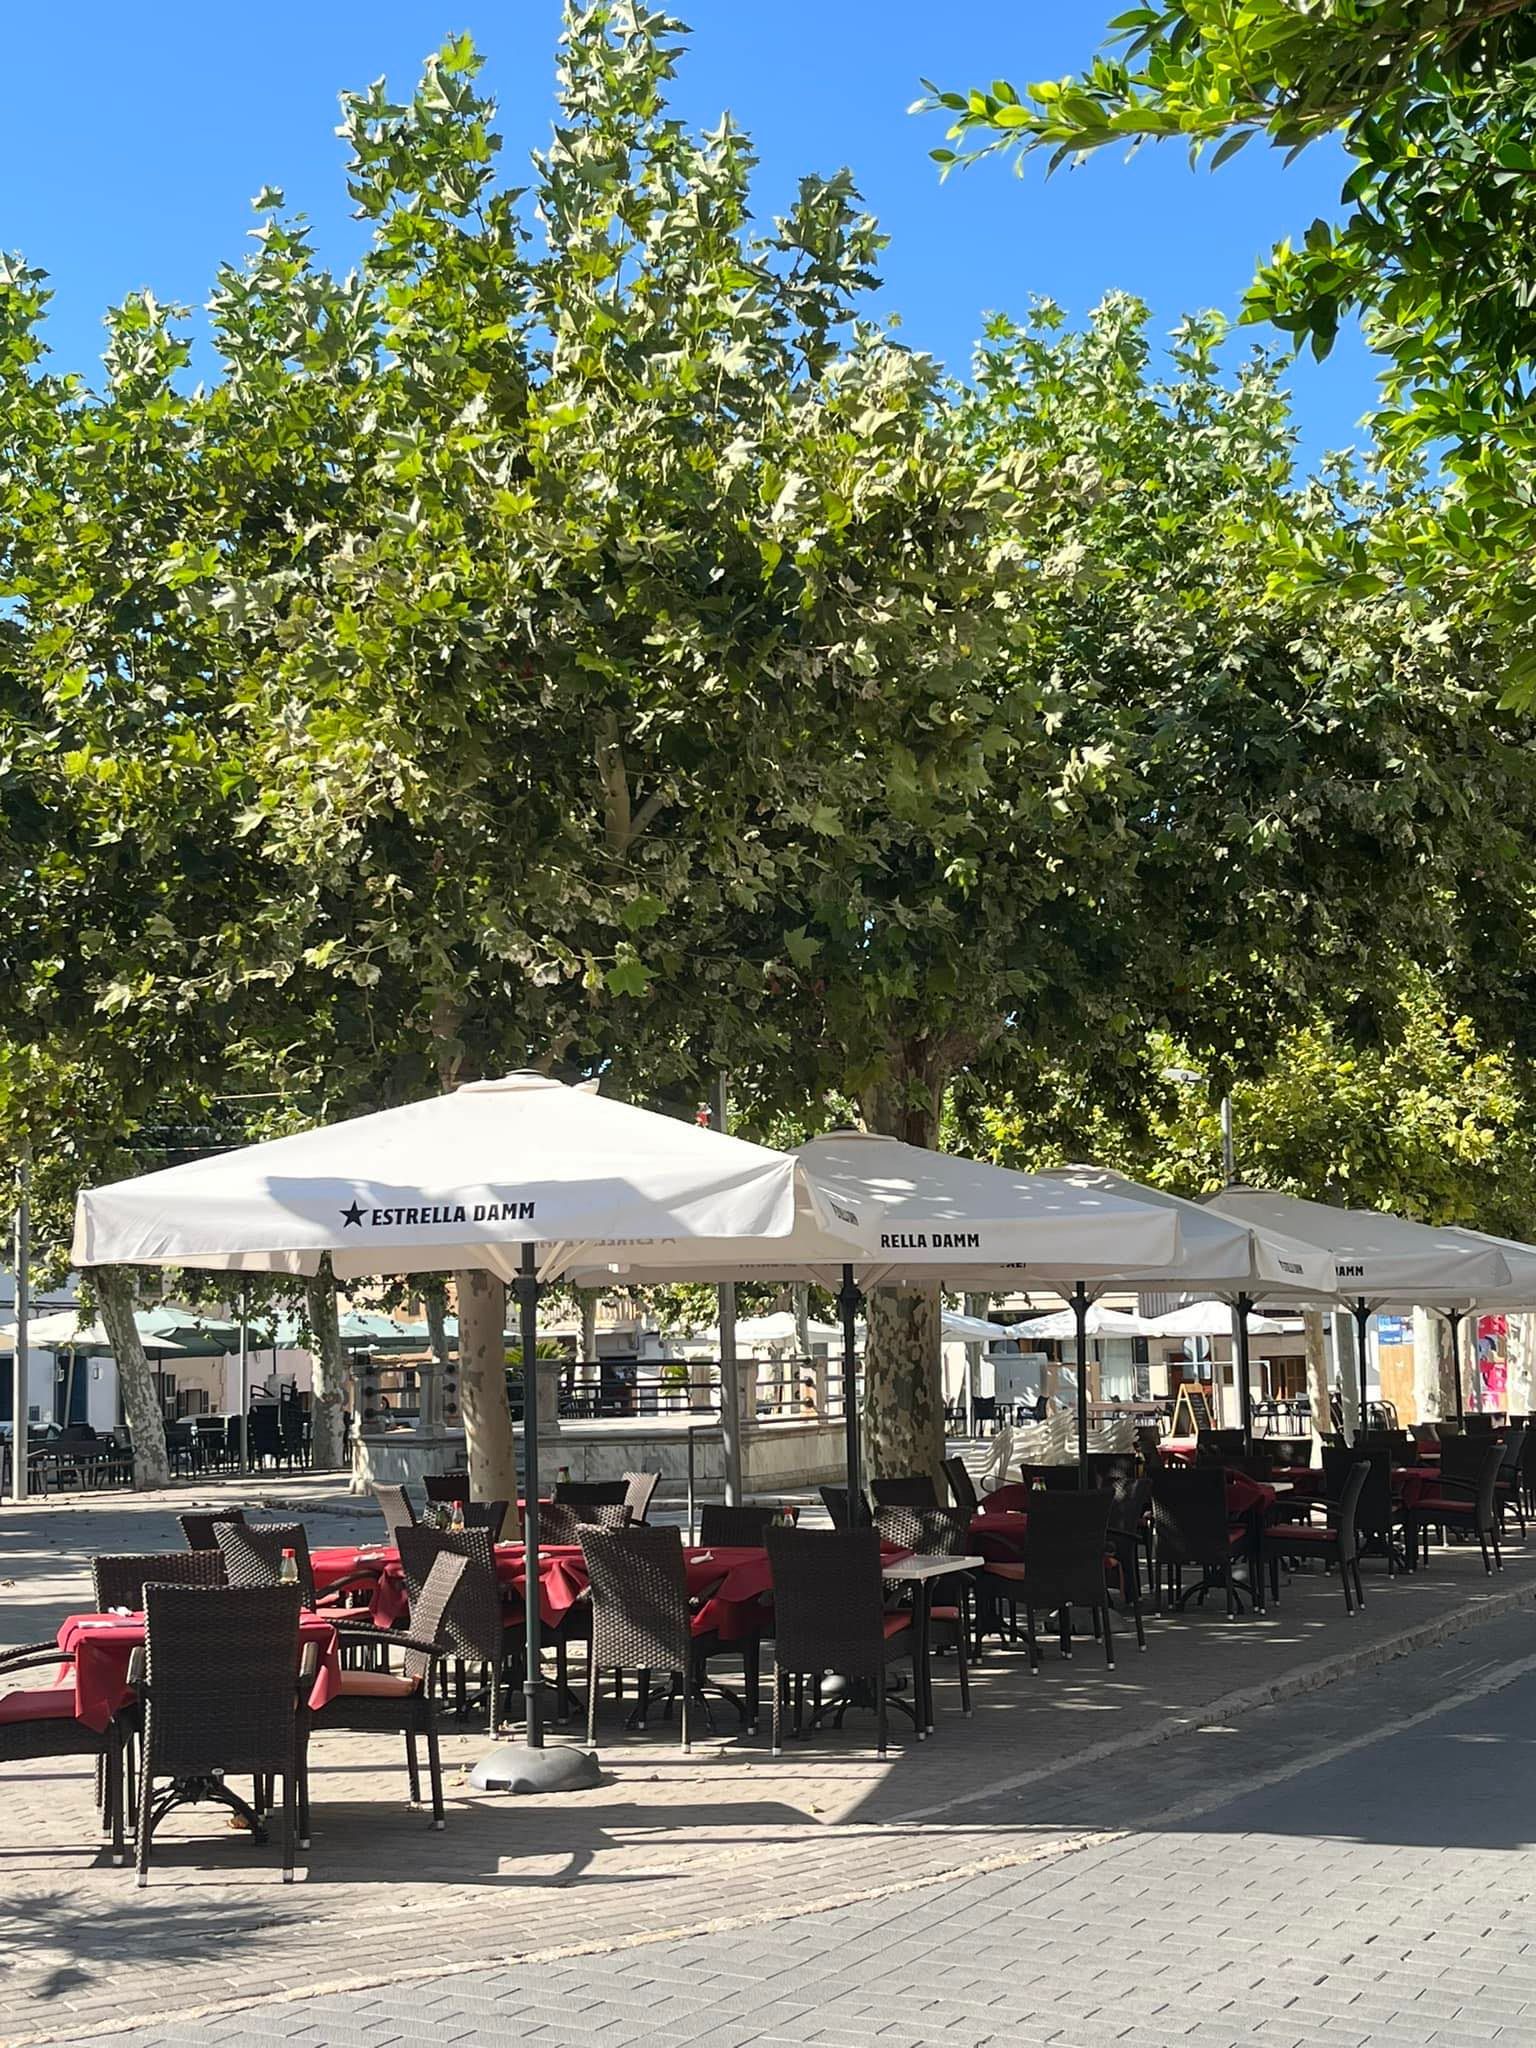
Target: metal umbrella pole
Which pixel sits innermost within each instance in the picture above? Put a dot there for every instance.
(528, 1766)
(1080, 1312)
(1453, 1318)
(245, 1376)
(730, 1374)
(19, 1354)
(1242, 1308)
(1362, 1315)
(848, 1309)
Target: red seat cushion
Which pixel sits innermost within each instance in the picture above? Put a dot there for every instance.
(897, 1624)
(1432, 1504)
(1237, 1536)
(1004, 1571)
(1301, 1532)
(945, 1613)
(376, 1685)
(42, 1703)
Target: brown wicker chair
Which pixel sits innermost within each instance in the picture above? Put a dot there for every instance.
(395, 1506)
(1191, 1526)
(829, 1615)
(736, 1528)
(220, 1691)
(640, 1619)
(562, 1522)
(1466, 1498)
(120, 1581)
(403, 1702)
(38, 1722)
(915, 1491)
(962, 1487)
(938, 1532)
(1336, 1541)
(1064, 1566)
(592, 1493)
(639, 1492)
(488, 1515)
(253, 1555)
(479, 1627)
(443, 1488)
(202, 1529)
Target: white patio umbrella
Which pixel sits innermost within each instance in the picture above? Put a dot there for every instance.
(1235, 1261)
(1377, 1257)
(962, 1329)
(924, 1218)
(483, 1177)
(1212, 1319)
(1100, 1321)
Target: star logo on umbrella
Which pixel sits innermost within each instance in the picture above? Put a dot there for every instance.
(353, 1215)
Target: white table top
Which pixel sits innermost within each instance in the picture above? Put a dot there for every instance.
(903, 1569)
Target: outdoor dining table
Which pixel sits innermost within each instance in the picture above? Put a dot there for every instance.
(102, 1647)
(729, 1581)
(920, 1573)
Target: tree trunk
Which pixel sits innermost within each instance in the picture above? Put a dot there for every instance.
(1517, 1350)
(327, 1399)
(903, 1414)
(1313, 1334)
(1346, 1358)
(802, 1312)
(483, 1387)
(434, 1297)
(141, 1404)
(587, 1298)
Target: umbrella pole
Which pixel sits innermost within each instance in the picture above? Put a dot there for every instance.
(1453, 1316)
(1362, 1314)
(848, 1309)
(1242, 1308)
(1080, 1312)
(526, 1287)
(528, 1766)
(245, 1375)
(19, 1445)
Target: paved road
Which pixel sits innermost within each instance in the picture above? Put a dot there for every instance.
(1354, 1867)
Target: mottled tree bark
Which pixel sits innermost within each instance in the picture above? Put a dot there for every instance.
(434, 1299)
(483, 1387)
(801, 1295)
(328, 1395)
(903, 1413)
(587, 1299)
(141, 1404)
(1314, 1336)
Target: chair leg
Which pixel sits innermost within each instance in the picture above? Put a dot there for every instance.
(752, 1668)
(882, 1717)
(1031, 1640)
(435, 1772)
(146, 1818)
(643, 1683)
(687, 1699)
(960, 1664)
(114, 1775)
(1359, 1585)
(593, 1676)
(1109, 1641)
(1141, 1628)
(778, 1707)
(289, 1829)
(412, 1767)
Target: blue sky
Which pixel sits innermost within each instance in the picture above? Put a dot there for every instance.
(134, 139)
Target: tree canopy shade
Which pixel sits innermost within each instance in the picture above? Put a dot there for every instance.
(580, 639)
(1435, 103)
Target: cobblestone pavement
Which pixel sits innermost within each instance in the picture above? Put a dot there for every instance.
(1226, 1891)
(1039, 1872)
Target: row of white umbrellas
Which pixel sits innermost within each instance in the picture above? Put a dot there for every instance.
(524, 1177)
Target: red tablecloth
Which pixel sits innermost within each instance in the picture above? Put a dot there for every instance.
(729, 1580)
(103, 1647)
(1409, 1482)
(1000, 1536)
(1008, 1500)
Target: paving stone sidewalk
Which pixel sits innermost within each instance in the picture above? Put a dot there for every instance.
(1381, 1894)
(727, 1837)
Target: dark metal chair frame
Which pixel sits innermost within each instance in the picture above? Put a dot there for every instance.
(641, 1622)
(829, 1616)
(425, 1642)
(220, 1693)
(479, 1626)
